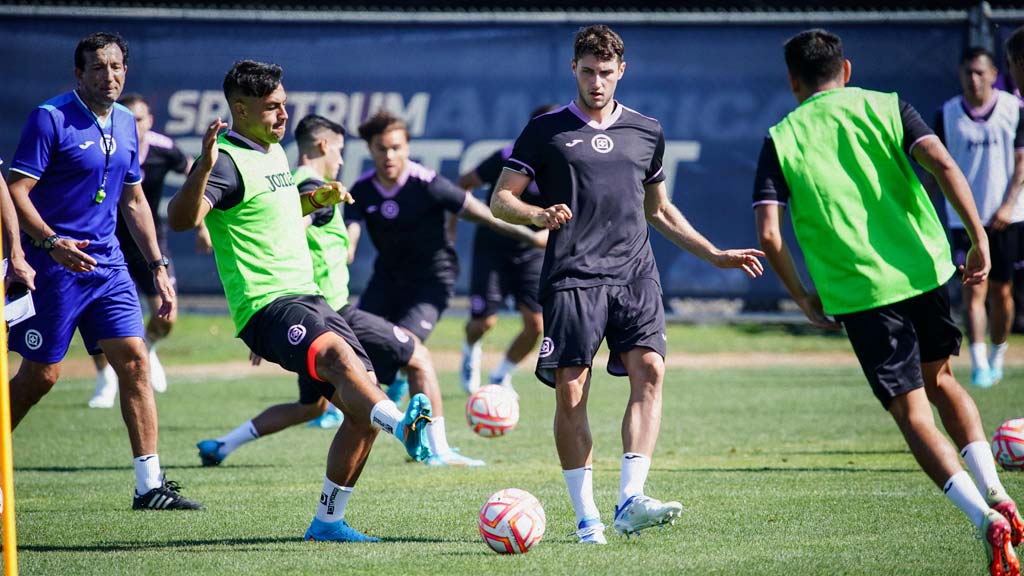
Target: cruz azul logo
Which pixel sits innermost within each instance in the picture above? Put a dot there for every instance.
(296, 333)
(389, 209)
(547, 347)
(33, 339)
(602, 143)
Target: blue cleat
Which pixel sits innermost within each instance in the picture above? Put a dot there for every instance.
(414, 428)
(981, 377)
(340, 531)
(399, 389)
(331, 418)
(209, 452)
(997, 375)
(590, 531)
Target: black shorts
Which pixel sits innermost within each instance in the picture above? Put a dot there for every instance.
(284, 330)
(1004, 247)
(415, 307)
(891, 342)
(139, 270)
(498, 273)
(577, 319)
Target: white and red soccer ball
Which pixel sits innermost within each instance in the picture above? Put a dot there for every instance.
(511, 521)
(1008, 444)
(492, 411)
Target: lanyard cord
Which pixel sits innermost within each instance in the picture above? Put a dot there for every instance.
(106, 146)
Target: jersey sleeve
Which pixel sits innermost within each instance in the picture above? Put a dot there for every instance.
(527, 152)
(490, 169)
(134, 173)
(769, 183)
(915, 128)
(656, 171)
(224, 188)
(38, 138)
(354, 212)
(447, 194)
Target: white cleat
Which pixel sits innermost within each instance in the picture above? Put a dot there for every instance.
(157, 376)
(106, 388)
(640, 512)
(469, 374)
(591, 531)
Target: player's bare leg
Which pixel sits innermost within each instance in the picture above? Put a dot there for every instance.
(575, 447)
(976, 319)
(1000, 320)
(33, 381)
(522, 345)
(469, 375)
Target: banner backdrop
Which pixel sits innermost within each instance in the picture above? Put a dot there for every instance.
(468, 89)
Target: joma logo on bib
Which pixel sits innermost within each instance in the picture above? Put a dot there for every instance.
(282, 180)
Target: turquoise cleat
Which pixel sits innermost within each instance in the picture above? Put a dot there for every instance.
(414, 428)
(340, 531)
(331, 418)
(399, 389)
(209, 452)
(982, 377)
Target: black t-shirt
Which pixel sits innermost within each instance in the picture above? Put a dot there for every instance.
(407, 224)
(599, 171)
(489, 171)
(770, 184)
(159, 156)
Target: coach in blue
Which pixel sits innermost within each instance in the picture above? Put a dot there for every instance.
(598, 166)
(77, 153)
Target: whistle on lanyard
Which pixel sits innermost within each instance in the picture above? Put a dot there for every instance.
(100, 195)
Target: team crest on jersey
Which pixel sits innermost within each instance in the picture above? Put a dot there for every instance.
(547, 347)
(33, 339)
(389, 209)
(400, 334)
(296, 333)
(477, 304)
(602, 143)
(109, 145)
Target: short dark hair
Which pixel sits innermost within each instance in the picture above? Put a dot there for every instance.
(975, 52)
(251, 78)
(814, 57)
(381, 122)
(97, 41)
(307, 130)
(541, 110)
(131, 98)
(1015, 45)
(599, 40)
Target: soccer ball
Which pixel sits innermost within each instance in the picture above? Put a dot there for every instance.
(492, 410)
(511, 521)
(1008, 444)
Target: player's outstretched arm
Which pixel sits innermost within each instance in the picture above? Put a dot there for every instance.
(670, 222)
(327, 194)
(66, 251)
(186, 208)
(477, 212)
(769, 233)
(506, 205)
(933, 156)
(18, 269)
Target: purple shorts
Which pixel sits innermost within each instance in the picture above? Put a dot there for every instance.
(100, 304)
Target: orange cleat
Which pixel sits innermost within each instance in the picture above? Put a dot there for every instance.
(1002, 560)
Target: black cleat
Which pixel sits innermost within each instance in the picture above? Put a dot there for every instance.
(166, 497)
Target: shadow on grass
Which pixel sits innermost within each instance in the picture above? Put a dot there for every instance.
(74, 469)
(223, 542)
(786, 469)
(846, 452)
(801, 329)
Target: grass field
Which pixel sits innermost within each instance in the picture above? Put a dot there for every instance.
(782, 470)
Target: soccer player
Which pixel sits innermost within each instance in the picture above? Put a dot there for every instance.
(76, 164)
(18, 270)
(157, 156)
(404, 206)
(879, 258)
(598, 166)
(501, 267)
(983, 132)
(242, 185)
(320, 143)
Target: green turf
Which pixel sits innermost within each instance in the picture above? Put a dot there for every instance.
(781, 471)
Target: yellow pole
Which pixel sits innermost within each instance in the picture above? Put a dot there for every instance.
(10, 537)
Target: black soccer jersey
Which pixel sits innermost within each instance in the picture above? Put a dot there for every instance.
(407, 224)
(599, 171)
(489, 170)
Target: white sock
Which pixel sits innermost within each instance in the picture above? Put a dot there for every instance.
(962, 492)
(333, 500)
(386, 416)
(473, 350)
(504, 369)
(979, 355)
(979, 460)
(580, 482)
(147, 473)
(437, 437)
(246, 432)
(998, 353)
(634, 475)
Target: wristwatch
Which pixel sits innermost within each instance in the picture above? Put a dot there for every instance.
(49, 243)
(163, 261)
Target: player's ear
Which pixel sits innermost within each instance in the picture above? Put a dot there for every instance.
(847, 69)
(572, 66)
(622, 68)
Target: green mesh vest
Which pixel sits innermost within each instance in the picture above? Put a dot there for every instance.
(328, 247)
(259, 245)
(869, 233)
